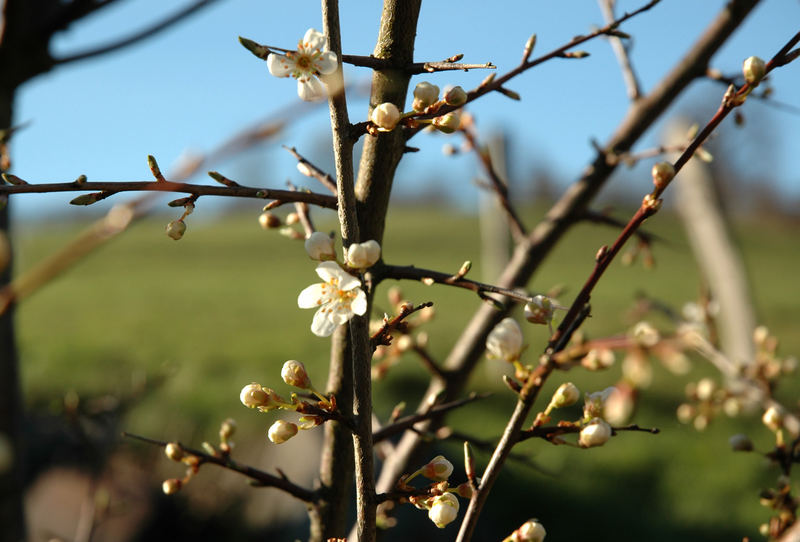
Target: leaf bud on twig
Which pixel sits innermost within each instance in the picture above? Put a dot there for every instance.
(662, 173)
(528, 50)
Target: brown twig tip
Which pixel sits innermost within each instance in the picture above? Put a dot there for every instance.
(383, 335)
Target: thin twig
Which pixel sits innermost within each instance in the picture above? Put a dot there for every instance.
(324, 178)
(139, 36)
(263, 478)
(621, 52)
(409, 421)
(383, 335)
(114, 187)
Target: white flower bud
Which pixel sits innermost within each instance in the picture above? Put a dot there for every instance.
(227, 429)
(705, 389)
(425, 94)
(773, 418)
(253, 395)
(645, 334)
(281, 431)
(455, 96)
(176, 229)
(385, 116)
(753, 69)
(662, 173)
(540, 310)
(438, 468)
(449, 122)
(596, 433)
(566, 395)
(443, 510)
(294, 373)
(363, 255)
(505, 340)
(530, 531)
(319, 246)
(174, 452)
(171, 486)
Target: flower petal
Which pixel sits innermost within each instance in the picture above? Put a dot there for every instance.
(322, 325)
(330, 270)
(314, 39)
(310, 89)
(326, 63)
(340, 315)
(359, 304)
(312, 296)
(279, 65)
(348, 281)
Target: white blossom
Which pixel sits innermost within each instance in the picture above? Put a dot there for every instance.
(505, 340)
(319, 246)
(443, 510)
(338, 298)
(595, 433)
(308, 61)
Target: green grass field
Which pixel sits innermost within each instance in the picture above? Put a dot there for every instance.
(217, 310)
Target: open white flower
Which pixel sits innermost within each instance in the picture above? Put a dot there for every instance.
(505, 340)
(305, 64)
(339, 298)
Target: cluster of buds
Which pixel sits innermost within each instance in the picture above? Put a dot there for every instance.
(781, 501)
(439, 499)
(386, 116)
(706, 399)
(294, 374)
(175, 452)
(530, 531)
(405, 337)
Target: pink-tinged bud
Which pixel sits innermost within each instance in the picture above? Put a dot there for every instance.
(443, 510)
(363, 255)
(540, 310)
(449, 122)
(268, 220)
(505, 340)
(319, 246)
(753, 69)
(530, 531)
(281, 431)
(741, 443)
(174, 452)
(425, 94)
(385, 116)
(294, 373)
(455, 96)
(773, 418)
(253, 395)
(464, 490)
(171, 486)
(439, 469)
(662, 173)
(596, 433)
(566, 395)
(176, 229)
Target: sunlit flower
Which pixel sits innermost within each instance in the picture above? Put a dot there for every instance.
(425, 94)
(281, 431)
(385, 116)
(443, 510)
(595, 403)
(363, 255)
(308, 61)
(505, 340)
(338, 298)
(294, 373)
(319, 246)
(596, 433)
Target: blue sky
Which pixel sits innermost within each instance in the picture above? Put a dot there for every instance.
(190, 88)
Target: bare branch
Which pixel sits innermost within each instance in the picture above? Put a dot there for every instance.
(310, 170)
(409, 421)
(621, 52)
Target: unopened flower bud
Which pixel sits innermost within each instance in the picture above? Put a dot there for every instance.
(174, 452)
(425, 94)
(662, 173)
(176, 229)
(439, 469)
(449, 122)
(385, 116)
(705, 389)
(281, 431)
(505, 340)
(443, 510)
(753, 69)
(455, 96)
(268, 220)
(596, 433)
(292, 218)
(566, 395)
(363, 255)
(464, 490)
(319, 246)
(530, 531)
(540, 310)
(253, 395)
(227, 429)
(773, 418)
(171, 486)
(294, 373)
(645, 334)
(741, 443)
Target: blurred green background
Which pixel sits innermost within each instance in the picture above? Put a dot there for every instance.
(218, 310)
